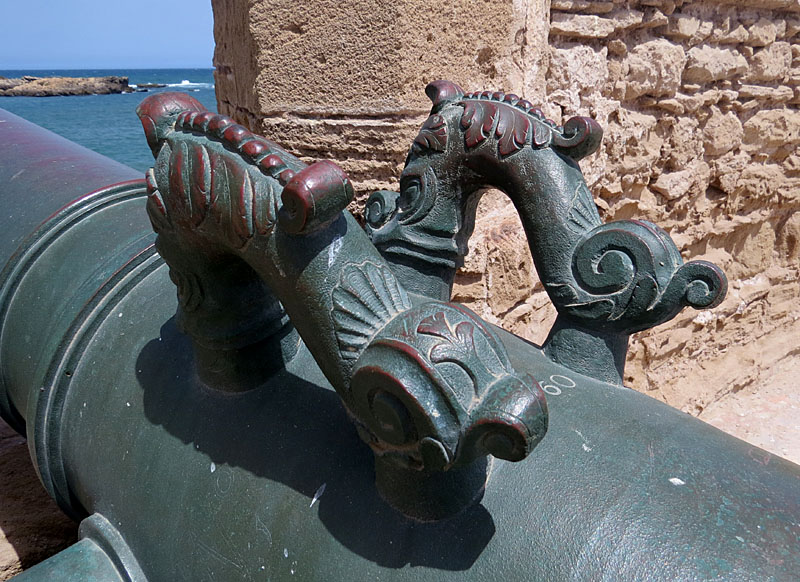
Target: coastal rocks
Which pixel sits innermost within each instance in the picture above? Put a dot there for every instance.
(61, 86)
(6, 83)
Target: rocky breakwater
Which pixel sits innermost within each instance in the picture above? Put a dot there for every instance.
(59, 86)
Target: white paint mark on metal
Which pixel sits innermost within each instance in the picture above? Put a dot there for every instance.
(676, 481)
(551, 390)
(333, 250)
(564, 381)
(585, 443)
(318, 494)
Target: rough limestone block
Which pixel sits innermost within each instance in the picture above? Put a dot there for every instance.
(773, 94)
(683, 26)
(581, 26)
(707, 63)
(654, 68)
(582, 6)
(773, 128)
(762, 33)
(674, 184)
(771, 64)
(722, 132)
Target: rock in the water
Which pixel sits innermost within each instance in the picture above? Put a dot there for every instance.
(58, 86)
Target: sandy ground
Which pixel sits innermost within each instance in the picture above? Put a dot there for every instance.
(767, 416)
(32, 527)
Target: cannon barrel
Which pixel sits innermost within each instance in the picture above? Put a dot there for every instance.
(174, 479)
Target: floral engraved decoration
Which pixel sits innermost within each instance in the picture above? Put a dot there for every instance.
(486, 408)
(196, 173)
(366, 298)
(432, 136)
(458, 344)
(511, 127)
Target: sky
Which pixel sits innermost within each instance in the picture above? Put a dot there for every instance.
(105, 34)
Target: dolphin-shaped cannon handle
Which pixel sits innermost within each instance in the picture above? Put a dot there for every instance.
(252, 235)
(607, 281)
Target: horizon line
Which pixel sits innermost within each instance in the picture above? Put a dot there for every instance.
(85, 68)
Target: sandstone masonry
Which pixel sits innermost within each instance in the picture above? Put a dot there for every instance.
(700, 101)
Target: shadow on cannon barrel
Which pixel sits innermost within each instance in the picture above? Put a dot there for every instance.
(297, 433)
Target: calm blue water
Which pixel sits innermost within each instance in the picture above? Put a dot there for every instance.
(107, 123)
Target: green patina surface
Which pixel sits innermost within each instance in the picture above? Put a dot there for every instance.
(311, 405)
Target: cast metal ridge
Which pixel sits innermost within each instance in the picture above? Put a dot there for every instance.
(36, 243)
(102, 532)
(46, 449)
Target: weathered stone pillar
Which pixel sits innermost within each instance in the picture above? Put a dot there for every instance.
(345, 80)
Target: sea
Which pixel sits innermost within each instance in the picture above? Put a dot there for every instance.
(108, 124)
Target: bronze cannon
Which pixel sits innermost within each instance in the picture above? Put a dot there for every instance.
(311, 405)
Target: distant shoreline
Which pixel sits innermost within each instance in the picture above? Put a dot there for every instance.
(108, 123)
(100, 72)
(32, 86)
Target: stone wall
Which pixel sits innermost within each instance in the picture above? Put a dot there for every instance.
(346, 80)
(699, 101)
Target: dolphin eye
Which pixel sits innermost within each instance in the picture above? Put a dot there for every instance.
(410, 193)
(417, 195)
